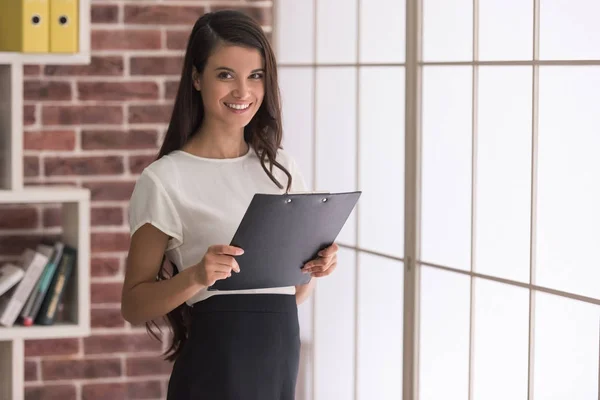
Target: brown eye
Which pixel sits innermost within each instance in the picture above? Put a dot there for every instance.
(224, 75)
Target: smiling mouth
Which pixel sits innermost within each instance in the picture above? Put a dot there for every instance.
(238, 107)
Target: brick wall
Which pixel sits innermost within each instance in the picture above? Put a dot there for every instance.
(97, 126)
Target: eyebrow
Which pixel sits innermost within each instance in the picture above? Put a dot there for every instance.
(230, 70)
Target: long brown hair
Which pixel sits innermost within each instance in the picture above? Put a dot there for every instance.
(263, 133)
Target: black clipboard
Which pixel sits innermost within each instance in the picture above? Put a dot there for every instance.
(279, 233)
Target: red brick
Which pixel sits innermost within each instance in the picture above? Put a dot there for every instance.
(31, 371)
(128, 39)
(52, 217)
(21, 217)
(263, 15)
(51, 392)
(107, 318)
(138, 163)
(169, 65)
(123, 343)
(118, 140)
(32, 70)
(105, 13)
(51, 347)
(49, 140)
(31, 166)
(106, 216)
(104, 266)
(150, 114)
(16, 244)
(98, 66)
(80, 369)
(109, 242)
(101, 391)
(103, 293)
(144, 390)
(162, 14)
(117, 91)
(177, 40)
(108, 165)
(75, 115)
(28, 115)
(110, 191)
(140, 366)
(171, 88)
(42, 90)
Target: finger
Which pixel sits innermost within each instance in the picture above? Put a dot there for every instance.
(226, 250)
(314, 264)
(326, 272)
(218, 275)
(320, 264)
(220, 268)
(329, 251)
(227, 261)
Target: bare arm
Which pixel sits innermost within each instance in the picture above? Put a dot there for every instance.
(303, 292)
(323, 265)
(143, 297)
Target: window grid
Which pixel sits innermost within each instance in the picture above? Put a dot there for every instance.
(413, 72)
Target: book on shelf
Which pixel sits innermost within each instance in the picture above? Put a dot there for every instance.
(36, 297)
(10, 275)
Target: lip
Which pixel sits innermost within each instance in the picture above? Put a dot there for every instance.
(238, 104)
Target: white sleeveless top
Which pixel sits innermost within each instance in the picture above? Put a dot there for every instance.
(199, 202)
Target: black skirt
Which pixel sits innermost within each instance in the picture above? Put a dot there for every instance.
(240, 347)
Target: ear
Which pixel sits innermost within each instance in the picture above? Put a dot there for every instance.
(196, 78)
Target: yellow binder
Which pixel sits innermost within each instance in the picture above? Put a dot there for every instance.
(24, 26)
(64, 26)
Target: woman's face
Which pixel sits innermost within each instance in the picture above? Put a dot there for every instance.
(232, 85)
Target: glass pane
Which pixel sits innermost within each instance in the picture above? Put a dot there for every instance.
(447, 30)
(334, 331)
(446, 175)
(505, 30)
(382, 31)
(296, 85)
(380, 329)
(294, 30)
(336, 137)
(501, 341)
(568, 175)
(503, 215)
(569, 29)
(444, 335)
(336, 31)
(382, 160)
(566, 349)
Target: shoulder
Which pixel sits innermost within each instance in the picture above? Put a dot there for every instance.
(161, 171)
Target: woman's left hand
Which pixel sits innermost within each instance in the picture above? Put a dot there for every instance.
(324, 264)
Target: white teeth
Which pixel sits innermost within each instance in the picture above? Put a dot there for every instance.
(238, 106)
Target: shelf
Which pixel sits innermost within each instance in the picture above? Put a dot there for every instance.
(59, 330)
(44, 194)
(43, 58)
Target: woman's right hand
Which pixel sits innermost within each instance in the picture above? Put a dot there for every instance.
(217, 263)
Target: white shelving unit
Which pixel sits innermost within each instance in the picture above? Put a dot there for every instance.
(75, 210)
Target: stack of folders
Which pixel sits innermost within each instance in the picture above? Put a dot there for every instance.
(32, 290)
(39, 26)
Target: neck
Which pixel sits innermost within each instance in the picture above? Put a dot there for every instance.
(218, 142)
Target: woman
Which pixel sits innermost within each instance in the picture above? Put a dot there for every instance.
(222, 146)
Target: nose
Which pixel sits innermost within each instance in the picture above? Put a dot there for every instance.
(241, 91)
